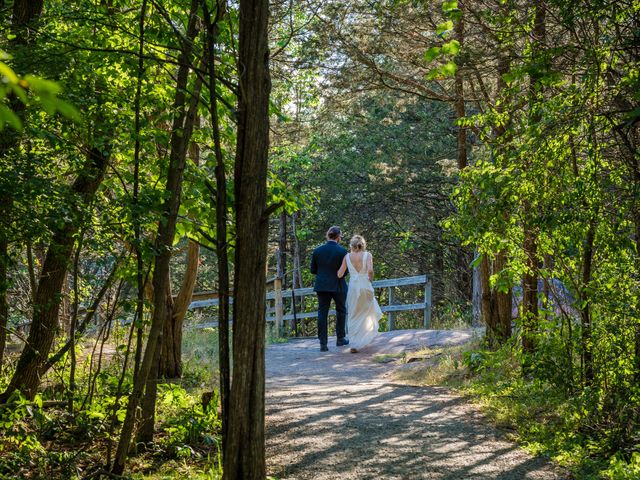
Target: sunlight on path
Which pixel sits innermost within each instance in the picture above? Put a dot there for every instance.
(338, 415)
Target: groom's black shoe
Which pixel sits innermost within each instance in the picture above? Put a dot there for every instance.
(324, 348)
(342, 342)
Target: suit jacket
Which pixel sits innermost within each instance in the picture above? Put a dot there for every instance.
(325, 263)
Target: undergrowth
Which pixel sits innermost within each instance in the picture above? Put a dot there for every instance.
(46, 439)
(571, 426)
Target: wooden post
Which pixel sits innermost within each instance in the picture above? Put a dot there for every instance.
(391, 316)
(277, 286)
(427, 303)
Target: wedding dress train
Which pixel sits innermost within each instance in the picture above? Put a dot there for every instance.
(363, 311)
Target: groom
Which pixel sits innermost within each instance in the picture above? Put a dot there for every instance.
(325, 263)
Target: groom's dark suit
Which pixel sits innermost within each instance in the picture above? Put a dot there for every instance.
(325, 263)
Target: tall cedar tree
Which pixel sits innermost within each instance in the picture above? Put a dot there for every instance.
(244, 453)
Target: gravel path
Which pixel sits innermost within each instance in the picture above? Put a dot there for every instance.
(340, 415)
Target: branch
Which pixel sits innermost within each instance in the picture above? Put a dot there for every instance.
(270, 209)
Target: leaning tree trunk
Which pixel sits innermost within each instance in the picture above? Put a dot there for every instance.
(168, 358)
(181, 134)
(33, 360)
(168, 363)
(245, 455)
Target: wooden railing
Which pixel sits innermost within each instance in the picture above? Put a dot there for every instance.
(277, 295)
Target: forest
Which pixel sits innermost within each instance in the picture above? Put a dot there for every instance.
(155, 152)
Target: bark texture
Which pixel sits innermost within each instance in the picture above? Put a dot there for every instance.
(245, 451)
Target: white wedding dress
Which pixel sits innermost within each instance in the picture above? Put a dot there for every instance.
(363, 311)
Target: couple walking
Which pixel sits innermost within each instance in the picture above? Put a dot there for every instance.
(329, 263)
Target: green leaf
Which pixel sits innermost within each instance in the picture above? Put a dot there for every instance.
(8, 74)
(443, 29)
(433, 74)
(68, 110)
(20, 93)
(7, 116)
(431, 54)
(40, 85)
(451, 48)
(508, 78)
(448, 6)
(449, 69)
(455, 14)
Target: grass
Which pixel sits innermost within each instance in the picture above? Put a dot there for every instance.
(388, 357)
(440, 366)
(536, 414)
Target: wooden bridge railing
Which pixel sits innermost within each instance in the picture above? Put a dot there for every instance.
(277, 295)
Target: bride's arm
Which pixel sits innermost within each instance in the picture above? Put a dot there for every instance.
(370, 267)
(343, 267)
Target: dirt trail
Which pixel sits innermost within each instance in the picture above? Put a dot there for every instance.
(340, 415)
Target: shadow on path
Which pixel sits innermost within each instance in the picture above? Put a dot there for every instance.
(336, 415)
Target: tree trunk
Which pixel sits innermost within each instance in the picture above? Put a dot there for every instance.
(637, 327)
(503, 300)
(245, 455)
(4, 287)
(487, 302)
(24, 11)
(476, 295)
(530, 246)
(282, 248)
(168, 362)
(222, 248)
(296, 280)
(33, 360)
(171, 351)
(182, 129)
(504, 303)
(459, 100)
(529, 287)
(33, 282)
(585, 311)
(464, 273)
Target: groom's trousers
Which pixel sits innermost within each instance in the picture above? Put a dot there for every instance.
(324, 302)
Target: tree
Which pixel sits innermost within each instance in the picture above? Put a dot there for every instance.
(182, 128)
(244, 453)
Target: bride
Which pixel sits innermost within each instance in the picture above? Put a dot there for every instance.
(362, 308)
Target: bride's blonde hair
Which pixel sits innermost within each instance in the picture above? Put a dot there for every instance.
(358, 243)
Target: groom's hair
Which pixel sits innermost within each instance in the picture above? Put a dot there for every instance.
(334, 232)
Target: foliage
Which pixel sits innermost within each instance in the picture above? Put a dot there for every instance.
(373, 105)
(548, 419)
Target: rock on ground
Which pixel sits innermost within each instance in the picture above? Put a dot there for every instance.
(340, 415)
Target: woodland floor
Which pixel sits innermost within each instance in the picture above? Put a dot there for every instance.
(341, 415)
